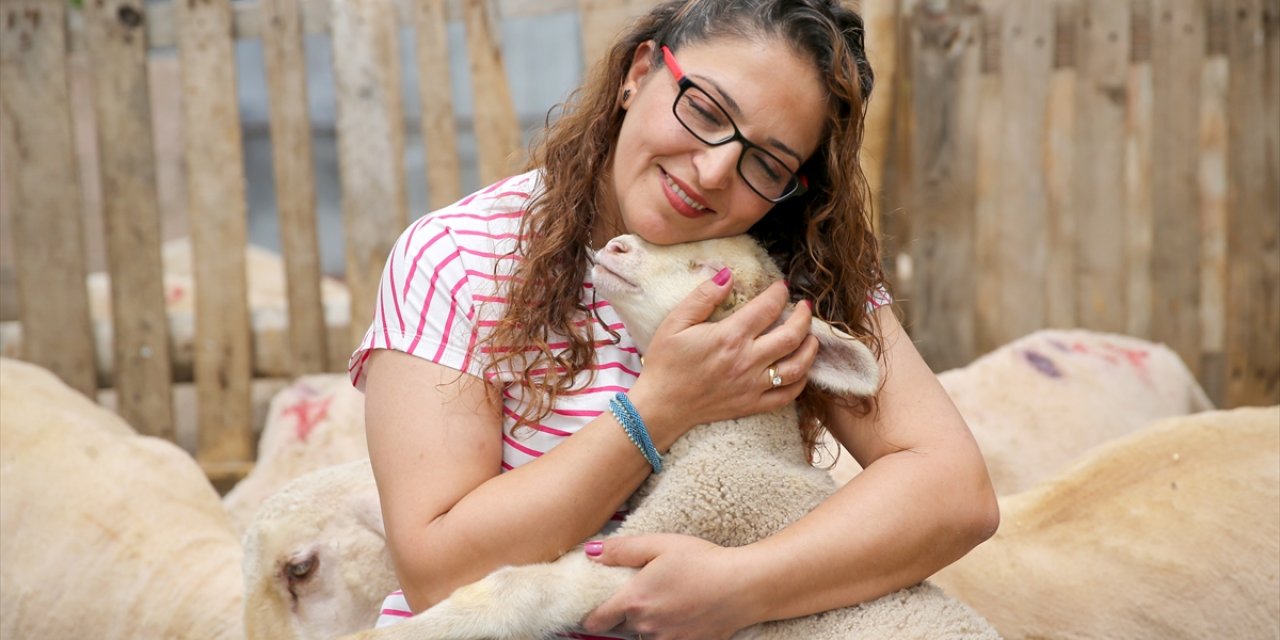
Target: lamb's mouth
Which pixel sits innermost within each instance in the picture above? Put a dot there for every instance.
(602, 270)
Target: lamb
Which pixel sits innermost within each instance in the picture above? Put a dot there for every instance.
(316, 563)
(1037, 403)
(316, 422)
(105, 533)
(699, 492)
(1170, 532)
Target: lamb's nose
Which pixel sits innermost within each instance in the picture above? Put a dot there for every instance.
(621, 244)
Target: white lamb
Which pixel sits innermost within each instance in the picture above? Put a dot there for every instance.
(1171, 532)
(1037, 403)
(104, 533)
(708, 475)
(316, 422)
(316, 563)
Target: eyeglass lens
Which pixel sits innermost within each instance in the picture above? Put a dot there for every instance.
(708, 121)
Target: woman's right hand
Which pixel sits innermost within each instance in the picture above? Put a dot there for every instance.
(697, 371)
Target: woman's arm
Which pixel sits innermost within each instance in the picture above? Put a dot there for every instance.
(435, 442)
(923, 500)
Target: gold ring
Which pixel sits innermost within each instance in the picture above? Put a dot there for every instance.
(774, 378)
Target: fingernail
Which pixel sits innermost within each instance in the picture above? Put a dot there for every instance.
(594, 548)
(721, 277)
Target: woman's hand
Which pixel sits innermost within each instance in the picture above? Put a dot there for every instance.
(698, 372)
(687, 588)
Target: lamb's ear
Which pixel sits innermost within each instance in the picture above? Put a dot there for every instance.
(844, 365)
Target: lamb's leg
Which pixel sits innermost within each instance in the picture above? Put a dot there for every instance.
(527, 602)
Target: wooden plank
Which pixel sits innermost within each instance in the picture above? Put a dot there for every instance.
(1253, 236)
(117, 49)
(43, 190)
(216, 206)
(1102, 63)
(1026, 64)
(987, 216)
(895, 223)
(1137, 172)
(290, 117)
(1212, 190)
(370, 152)
(880, 18)
(602, 21)
(1177, 61)
(1060, 120)
(497, 127)
(435, 88)
(944, 75)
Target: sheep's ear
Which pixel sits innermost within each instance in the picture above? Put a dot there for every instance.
(844, 365)
(367, 510)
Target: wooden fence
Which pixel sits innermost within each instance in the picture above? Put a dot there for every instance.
(1092, 163)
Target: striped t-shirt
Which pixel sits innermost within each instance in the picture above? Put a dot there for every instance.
(442, 292)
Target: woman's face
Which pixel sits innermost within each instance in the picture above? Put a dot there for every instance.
(775, 98)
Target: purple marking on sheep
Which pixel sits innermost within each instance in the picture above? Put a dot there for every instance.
(1042, 364)
(1057, 344)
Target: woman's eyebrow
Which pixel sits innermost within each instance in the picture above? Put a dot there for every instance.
(737, 112)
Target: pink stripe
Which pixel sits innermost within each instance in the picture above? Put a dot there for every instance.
(493, 187)
(417, 258)
(612, 388)
(577, 413)
(498, 299)
(391, 277)
(485, 254)
(506, 467)
(477, 216)
(427, 300)
(448, 323)
(485, 234)
(487, 276)
(519, 447)
(381, 313)
(615, 365)
(540, 427)
(397, 613)
(510, 194)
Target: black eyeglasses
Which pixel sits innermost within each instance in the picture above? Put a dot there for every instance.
(702, 116)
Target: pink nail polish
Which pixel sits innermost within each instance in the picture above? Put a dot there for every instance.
(721, 277)
(593, 548)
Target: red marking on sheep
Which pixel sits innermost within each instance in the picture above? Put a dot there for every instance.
(175, 293)
(310, 412)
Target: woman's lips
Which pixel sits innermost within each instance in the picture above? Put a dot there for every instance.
(678, 203)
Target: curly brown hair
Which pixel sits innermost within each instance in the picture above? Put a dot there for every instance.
(823, 240)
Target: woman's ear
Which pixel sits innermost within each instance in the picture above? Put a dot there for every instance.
(641, 65)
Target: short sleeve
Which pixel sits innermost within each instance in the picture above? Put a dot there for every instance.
(878, 297)
(425, 305)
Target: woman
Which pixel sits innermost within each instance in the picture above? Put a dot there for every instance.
(489, 365)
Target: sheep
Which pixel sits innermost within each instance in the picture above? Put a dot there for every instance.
(316, 563)
(106, 534)
(708, 474)
(1171, 532)
(316, 422)
(1037, 403)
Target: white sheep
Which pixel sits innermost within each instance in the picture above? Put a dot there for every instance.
(1171, 532)
(316, 422)
(708, 475)
(1037, 403)
(105, 533)
(316, 563)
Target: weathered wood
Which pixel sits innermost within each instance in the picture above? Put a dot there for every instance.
(115, 38)
(497, 127)
(1137, 172)
(1253, 233)
(1102, 59)
(880, 18)
(1177, 61)
(294, 184)
(435, 88)
(602, 21)
(216, 206)
(370, 147)
(1060, 150)
(944, 74)
(987, 216)
(1212, 183)
(1026, 53)
(43, 189)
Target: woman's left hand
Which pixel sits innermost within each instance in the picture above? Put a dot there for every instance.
(687, 588)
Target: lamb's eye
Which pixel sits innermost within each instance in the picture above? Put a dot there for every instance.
(693, 266)
(301, 569)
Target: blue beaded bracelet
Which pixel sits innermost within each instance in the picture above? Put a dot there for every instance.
(627, 416)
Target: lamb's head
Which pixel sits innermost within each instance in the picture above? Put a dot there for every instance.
(644, 282)
(316, 563)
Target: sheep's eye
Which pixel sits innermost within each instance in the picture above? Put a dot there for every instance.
(693, 265)
(298, 570)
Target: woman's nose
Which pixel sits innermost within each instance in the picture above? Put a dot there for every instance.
(716, 165)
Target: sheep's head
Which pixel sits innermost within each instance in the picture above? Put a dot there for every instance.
(644, 282)
(316, 563)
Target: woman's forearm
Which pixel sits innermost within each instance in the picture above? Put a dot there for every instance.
(903, 518)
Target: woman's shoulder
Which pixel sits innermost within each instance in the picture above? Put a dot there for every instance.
(491, 216)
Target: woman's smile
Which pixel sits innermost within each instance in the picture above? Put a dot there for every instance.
(683, 199)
